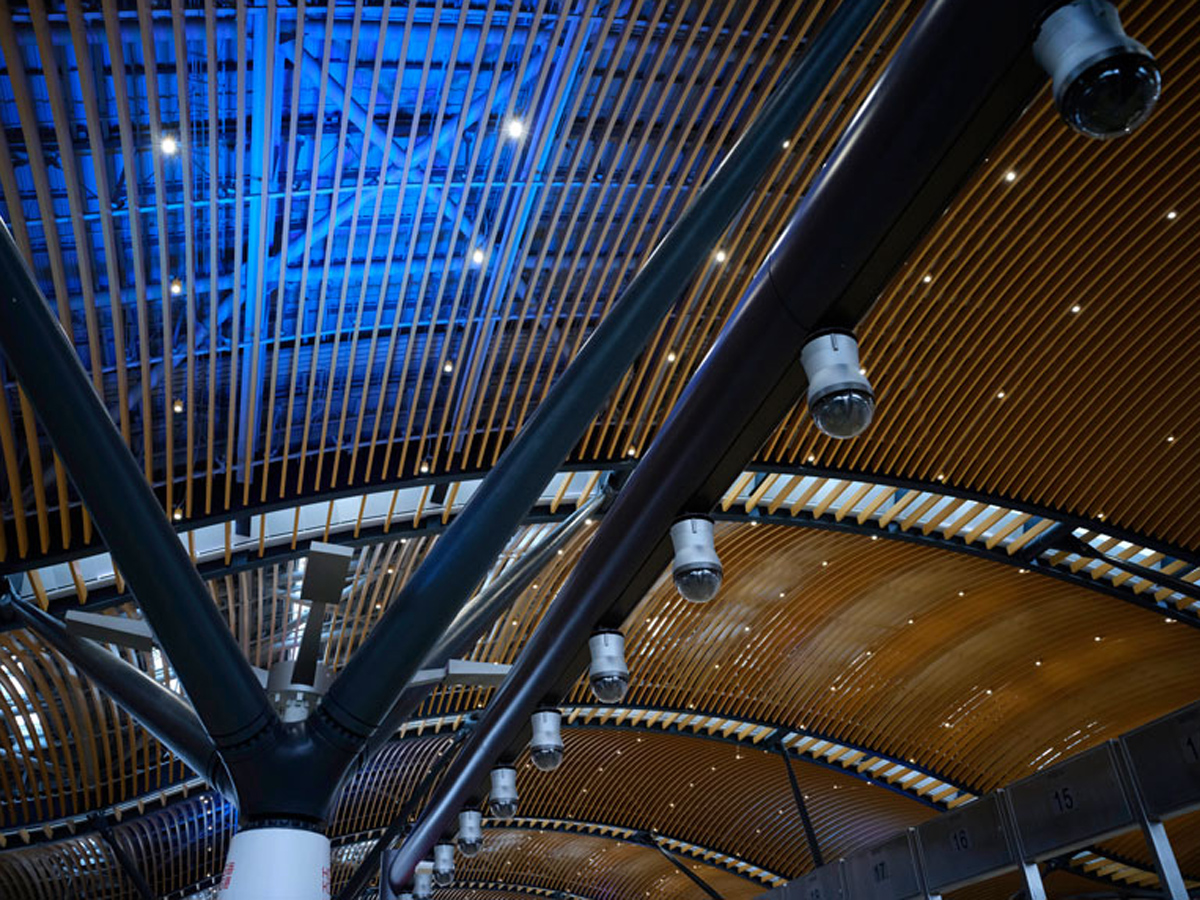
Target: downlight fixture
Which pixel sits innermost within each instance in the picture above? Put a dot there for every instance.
(546, 744)
(470, 832)
(697, 569)
(502, 801)
(1105, 83)
(423, 881)
(839, 396)
(608, 674)
(443, 864)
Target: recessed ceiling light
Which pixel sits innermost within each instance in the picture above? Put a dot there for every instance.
(962, 593)
(477, 256)
(670, 357)
(927, 279)
(910, 621)
(448, 367)
(1169, 620)
(1172, 215)
(1000, 395)
(824, 562)
(169, 145)
(874, 537)
(1076, 309)
(1010, 176)
(1037, 662)
(720, 256)
(1097, 639)
(515, 129)
(812, 458)
(786, 144)
(1171, 439)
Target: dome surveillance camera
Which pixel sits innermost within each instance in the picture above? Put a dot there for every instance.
(839, 396)
(503, 798)
(696, 569)
(423, 881)
(546, 745)
(470, 832)
(1105, 83)
(608, 674)
(443, 865)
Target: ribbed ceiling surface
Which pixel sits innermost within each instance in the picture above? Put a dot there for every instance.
(385, 232)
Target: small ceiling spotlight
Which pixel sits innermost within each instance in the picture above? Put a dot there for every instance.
(502, 801)
(608, 674)
(839, 395)
(448, 367)
(478, 256)
(443, 864)
(720, 256)
(177, 406)
(168, 145)
(176, 287)
(1105, 83)
(470, 832)
(515, 129)
(423, 881)
(697, 568)
(1172, 216)
(546, 744)
(1010, 176)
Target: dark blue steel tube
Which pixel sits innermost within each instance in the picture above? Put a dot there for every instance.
(228, 698)
(918, 134)
(364, 692)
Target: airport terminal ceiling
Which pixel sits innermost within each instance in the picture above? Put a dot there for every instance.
(322, 263)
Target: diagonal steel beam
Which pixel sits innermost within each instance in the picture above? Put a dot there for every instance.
(961, 76)
(176, 602)
(810, 834)
(161, 712)
(363, 693)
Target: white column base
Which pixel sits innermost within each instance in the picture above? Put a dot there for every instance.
(276, 864)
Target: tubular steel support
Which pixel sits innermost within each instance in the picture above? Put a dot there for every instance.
(481, 612)
(227, 696)
(161, 712)
(370, 862)
(649, 841)
(810, 834)
(958, 80)
(362, 695)
(139, 881)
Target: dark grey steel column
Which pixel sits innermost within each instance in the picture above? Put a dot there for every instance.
(98, 822)
(164, 714)
(810, 834)
(143, 544)
(360, 698)
(479, 614)
(961, 76)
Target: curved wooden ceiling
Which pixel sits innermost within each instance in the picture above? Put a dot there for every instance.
(866, 643)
